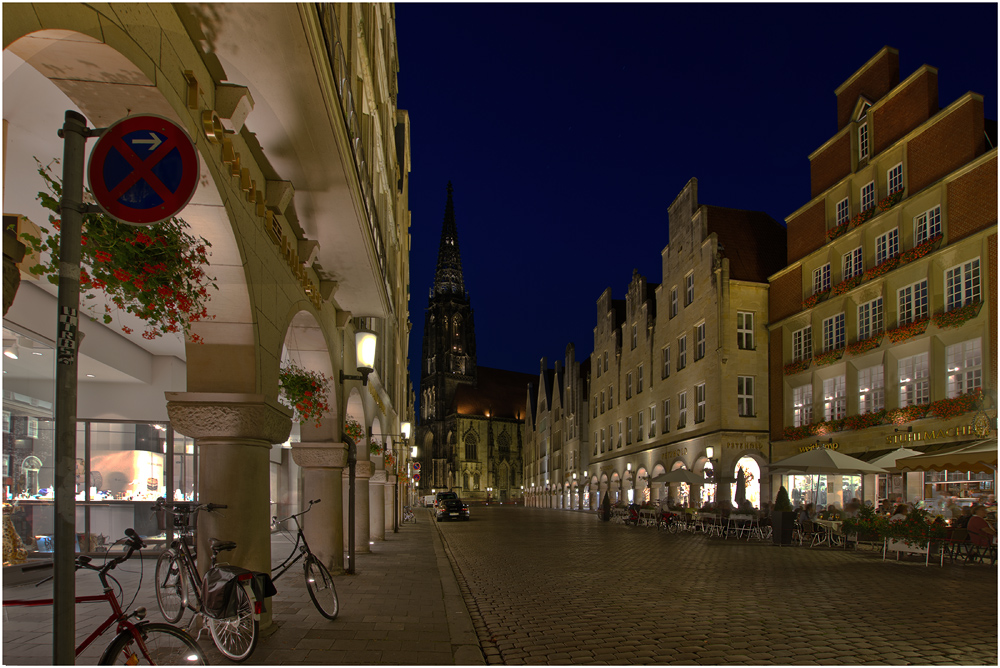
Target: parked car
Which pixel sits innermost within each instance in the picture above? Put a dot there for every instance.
(449, 507)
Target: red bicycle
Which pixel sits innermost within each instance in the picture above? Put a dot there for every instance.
(134, 643)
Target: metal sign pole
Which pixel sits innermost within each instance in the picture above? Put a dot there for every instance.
(74, 134)
(352, 462)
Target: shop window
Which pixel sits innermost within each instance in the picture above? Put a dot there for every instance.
(914, 380)
(965, 367)
(871, 389)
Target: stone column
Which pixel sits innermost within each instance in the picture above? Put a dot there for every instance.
(362, 527)
(390, 501)
(376, 504)
(322, 477)
(234, 434)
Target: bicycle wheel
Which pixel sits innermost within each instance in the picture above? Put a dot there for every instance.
(166, 645)
(236, 637)
(674, 526)
(170, 587)
(319, 582)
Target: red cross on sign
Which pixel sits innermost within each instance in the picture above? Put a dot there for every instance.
(143, 170)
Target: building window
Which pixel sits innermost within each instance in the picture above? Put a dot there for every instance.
(665, 373)
(595, 405)
(595, 443)
(641, 431)
(605, 361)
(868, 195)
(927, 225)
(821, 279)
(802, 344)
(914, 381)
(887, 246)
(628, 433)
(894, 178)
(699, 349)
(673, 301)
(628, 385)
(602, 440)
(682, 352)
(871, 389)
(689, 289)
(843, 211)
(744, 330)
(744, 396)
(619, 441)
(635, 336)
(652, 421)
(965, 367)
(602, 403)
(666, 416)
(833, 333)
(802, 405)
(869, 319)
(470, 447)
(961, 285)
(834, 398)
(913, 302)
(611, 397)
(682, 410)
(699, 397)
(598, 365)
(853, 263)
(638, 380)
(863, 141)
(611, 436)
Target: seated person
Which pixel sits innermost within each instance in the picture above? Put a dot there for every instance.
(980, 532)
(902, 510)
(963, 520)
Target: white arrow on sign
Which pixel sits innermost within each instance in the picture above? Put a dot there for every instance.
(153, 141)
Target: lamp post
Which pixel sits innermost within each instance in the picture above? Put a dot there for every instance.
(404, 429)
(489, 492)
(366, 342)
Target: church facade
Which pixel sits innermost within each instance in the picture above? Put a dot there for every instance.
(471, 426)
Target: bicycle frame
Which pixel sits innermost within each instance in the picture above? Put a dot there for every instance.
(190, 568)
(301, 546)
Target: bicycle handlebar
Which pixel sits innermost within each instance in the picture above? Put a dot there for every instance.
(135, 542)
(308, 508)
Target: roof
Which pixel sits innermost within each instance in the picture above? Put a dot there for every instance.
(499, 392)
(754, 242)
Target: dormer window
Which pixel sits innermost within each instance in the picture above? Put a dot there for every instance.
(862, 119)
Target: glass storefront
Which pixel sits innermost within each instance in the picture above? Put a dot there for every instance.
(822, 490)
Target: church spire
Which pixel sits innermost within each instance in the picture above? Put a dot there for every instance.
(448, 278)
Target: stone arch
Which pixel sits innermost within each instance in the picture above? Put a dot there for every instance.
(305, 346)
(708, 491)
(503, 477)
(642, 486)
(355, 408)
(376, 437)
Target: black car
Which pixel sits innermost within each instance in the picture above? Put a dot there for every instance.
(449, 507)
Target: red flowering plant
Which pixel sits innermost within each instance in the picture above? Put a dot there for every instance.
(906, 414)
(796, 367)
(305, 391)
(354, 430)
(918, 528)
(798, 433)
(865, 420)
(829, 357)
(816, 298)
(837, 231)
(885, 267)
(864, 345)
(958, 316)
(375, 447)
(903, 332)
(845, 286)
(860, 219)
(829, 426)
(890, 201)
(920, 250)
(389, 460)
(156, 273)
(949, 408)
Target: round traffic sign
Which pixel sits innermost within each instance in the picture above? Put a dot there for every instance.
(416, 476)
(143, 170)
(416, 466)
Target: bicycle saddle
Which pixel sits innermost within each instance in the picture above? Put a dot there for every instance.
(221, 545)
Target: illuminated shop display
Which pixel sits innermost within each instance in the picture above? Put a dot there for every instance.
(751, 475)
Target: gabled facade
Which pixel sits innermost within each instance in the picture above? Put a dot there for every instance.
(884, 319)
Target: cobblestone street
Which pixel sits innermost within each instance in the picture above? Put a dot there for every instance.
(557, 587)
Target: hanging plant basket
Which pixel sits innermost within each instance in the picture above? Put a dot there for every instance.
(375, 448)
(907, 331)
(157, 273)
(354, 430)
(305, 392)
(863, 346)
(959, 316)
(389, 460)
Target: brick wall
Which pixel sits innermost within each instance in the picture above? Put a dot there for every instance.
(908, 108)
(972, 201)
(880, 77)
(831, 165)
(807, 231)
(945, 146)
(785, 295)
(991, 300)
(776, 400)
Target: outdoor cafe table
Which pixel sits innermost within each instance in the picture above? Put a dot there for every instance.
(830, 529)
(741, 523)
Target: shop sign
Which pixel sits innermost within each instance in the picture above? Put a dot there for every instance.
(737, 445)
(932, 434)
(814, 446)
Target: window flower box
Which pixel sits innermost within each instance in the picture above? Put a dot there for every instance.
(865, 345)
(845, 286)
(837, 231)
(798, 433)
(829, 357)
(892, 200)
(949, 408)
(921, 250)
(865, 420)
(816, 299)
(885, 267)
(862, 217)
(907, 414)
(797, 367)
(907, 331)
(959, 316)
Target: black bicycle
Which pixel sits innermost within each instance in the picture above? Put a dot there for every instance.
(319, 582)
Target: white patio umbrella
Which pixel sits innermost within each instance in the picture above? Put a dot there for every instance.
(889, 460)
(681, 475)
(980, 456)
(824, 461)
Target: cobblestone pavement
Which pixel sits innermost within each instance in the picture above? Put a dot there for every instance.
(558, 587)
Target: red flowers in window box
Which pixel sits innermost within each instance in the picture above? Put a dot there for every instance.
(921, 250)
(837, 231)
(892, 200)
(949, 408)
(959, 316)
(846, 286)
(816, 298)
(829, 357)
(883, 268)
(904, 332)
(797, 367)
(864, 345)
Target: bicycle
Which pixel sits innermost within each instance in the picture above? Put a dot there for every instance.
(319, 582)
(154, 643)
(235, 630)
(408, 515)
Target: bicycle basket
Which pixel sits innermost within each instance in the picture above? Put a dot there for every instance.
(219, 587)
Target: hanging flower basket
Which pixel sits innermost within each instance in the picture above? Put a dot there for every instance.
(389, 460)
(959, 316)
(862, 217)
(354, 430)
(797, 367)
(904, 332)
(375, 448)
(949, 408)
(885, 267)
(864, 345)
(816, 298)
(921, 250)
(837, 231)
(829, 357)
(892, 200)
(156, 273)
(845, 286)
(305, 391)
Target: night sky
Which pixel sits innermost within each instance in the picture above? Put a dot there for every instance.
(567, 130)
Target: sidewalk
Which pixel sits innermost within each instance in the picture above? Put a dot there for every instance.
(402, 607)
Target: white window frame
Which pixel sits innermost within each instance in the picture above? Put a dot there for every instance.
(964, 362)
(635, 336)
(652, 421)
(886, 246)
(699, 335)
(744, 330)
(927, 225)
(834, 334)
(912, 302)
(666, 362)
(689, 289)
(619, 441)
(894, 179)
(602, 402)
(611, 396)
(834, 398)
(673, 301)
(701, 402)
(821, 279)
(744, 396)
(802, 344)
(640, 432)
(963, 284)
(914, 380)
(611, 436)
(871, 318)
(843, 211)
(628, 385)
(871, 389)
(868, 196)
(863, 141)
(638, 388)
(682, 411)
(682, 348)
(666, 416)
(853, 263)
(628, 432)
(802, 405)
(603, 442)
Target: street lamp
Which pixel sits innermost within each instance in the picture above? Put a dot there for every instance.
(366, 342)
(489, 493)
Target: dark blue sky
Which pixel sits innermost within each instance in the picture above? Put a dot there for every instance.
(568, 129)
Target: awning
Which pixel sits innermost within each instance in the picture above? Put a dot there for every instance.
(980, 457)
